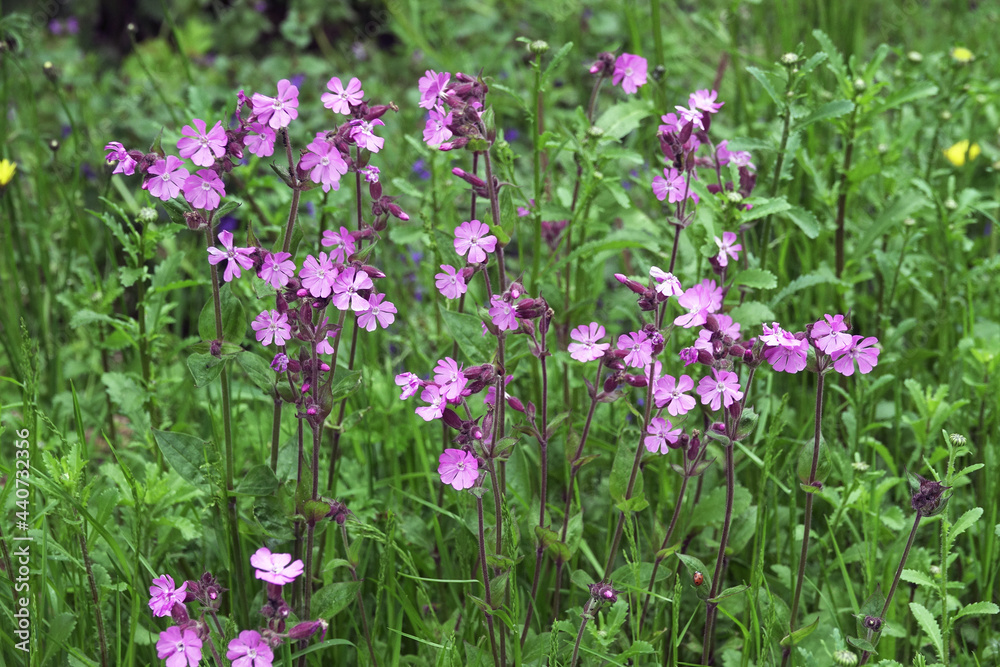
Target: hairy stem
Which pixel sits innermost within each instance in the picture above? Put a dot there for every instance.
(666, 541)
(361, 601)
(102, 640)
(486, 581)
(842, 197)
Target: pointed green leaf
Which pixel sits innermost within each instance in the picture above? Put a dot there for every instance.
(977, 609)
(798, 635)
(929, 624)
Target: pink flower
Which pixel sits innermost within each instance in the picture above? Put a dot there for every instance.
(474, 237)
(431, 394)
(860, 351)
(704, 100)
(431, 86)
(342, 243)
(363, 134)
(260, 140)
(277, 269)
(278, 111)
(739, 158)
(727, 249)
(784, 351)
(458, 468)
(690, 116)
(324, 347)
(672, 124)
(270, 325)
(449, 377)
(688, 355)
(346, 287)
(723, 388)
(667, 285)
(117, 153)
(502, 314)
(671, 186)
(630, 72)
(201, 146)
(164, 595)
(340, 99)
(204, 189)
(410, 384)
(378, 313)
(324, 163)
(670, 393)
(250, 650)
(700, 300)
(451, 283)
(829, 334)
(277, 569)
(237, 257)
(436, 130)
(371, 173)
(661, 435)
(180, 648)
(491, 396)
(318, 275)
(587, 346)
(640, 349)
(166, 177)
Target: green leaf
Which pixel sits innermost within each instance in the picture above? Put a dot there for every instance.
(467, 331)
(622, 118)
(765, 81)
(765, 207)
(185, 453)
(965, 522)
(917, 577)
(226, 207)
(621, 471)
(901, 96)
(798, 635)
(905, 205)
(345, 383)
(749, 144)
(804, 220)
(176, 208)
(334, 598)
(756, 278)
(827, 111)
(259, 481)
(927, 622)
(234, 319)
(205, 368)
(821, 276)
(862, 644)
(695, 565)
(977, 609)
(752, 313)
(557, 58)
(730, 592)
(258, 370)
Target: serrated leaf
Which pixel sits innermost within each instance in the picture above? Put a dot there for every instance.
(798, 635)
(765, 207)
(977, 609)
(622, 118)
(259, 481)
(927, 622)
(765, 81)
(804, 220)
(917, 577)
(965, 522)
(833, 109)
(334, 598)
(756, 278)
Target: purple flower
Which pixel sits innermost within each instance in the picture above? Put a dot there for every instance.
(451, 283)
(690, 116)
(277, 569)
(431, 394)
(829, 334)
(727, 249)
(436, 130)
(431, 86)
(250, 650)
(502, 314)
(164, 595)
(458, 468)
(237, 257)
(318, 275)
(117, 153)
(474, 237)
(371, 173)
(200, 146)
(704, 100)
(667, 285)
(739, 158)
(340, 99)
(420, 169)
(260, 140)
(630, 72)
(346, 287)
(342, 243)
(204, 189)
(672, 124)
(670, 393)
(277, 269)
(640, 349)
(324, 347)
(180, 648)
(860, 351)
(166, 177)
(270, 325)
(278, 111)
(378, 313)
(661, 436)
(672, 186)
(324, 163)
(784, 351)
(587, 346)
(449, 378)
(363, 134)
(700, 300)
(491, 396)
(723, 388)
(280, 363)
(410, 384)
(688, 355)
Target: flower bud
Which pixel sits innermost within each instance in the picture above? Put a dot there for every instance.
(308, 629)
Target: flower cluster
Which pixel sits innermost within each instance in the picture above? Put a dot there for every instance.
(454, 109)
(627, 70)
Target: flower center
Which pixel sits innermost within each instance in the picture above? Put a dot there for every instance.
(206, 186)
(460, 465)
(325, 161)
(628, 71)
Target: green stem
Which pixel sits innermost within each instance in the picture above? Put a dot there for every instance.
(486, 581)
(361, 601)
(842, 196)
(536, 150)
(765, 228)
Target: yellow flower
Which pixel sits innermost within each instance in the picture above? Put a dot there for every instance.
(960, 54)
(956, 154)
(7, 169)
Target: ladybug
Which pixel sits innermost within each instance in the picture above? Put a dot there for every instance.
(699, 578)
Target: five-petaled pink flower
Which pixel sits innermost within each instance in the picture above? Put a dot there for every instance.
(784, 351)
(180, 648)
(587, 346)
(431, 87)
(449, 378)
(363, 134)
(502, 314)
(260, 140)
(661, 435)
(200, 146)
(436, 130)
(692, 116)
(250, 650)
(324, 163)
(700, 300)
(704, 100)
(639, 347)
(830, 334)
(727, 249)
(474, 237)
(342, 244)
(432, 395)
(667, 284)
(238, 257)
(379, 313)
(318, 275)
(116, 152)
(410, 384)
(458, 468)
(272, 326)
(861, 351)
(278, 111)
(166, 177)
(451, 283)
(277, 269)
(346, 288)
(278, 569)
(204, 189)
(340, 99)
(630, 72)
(672, 186)
(670, 393)
(164, 595)
(722, 389)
